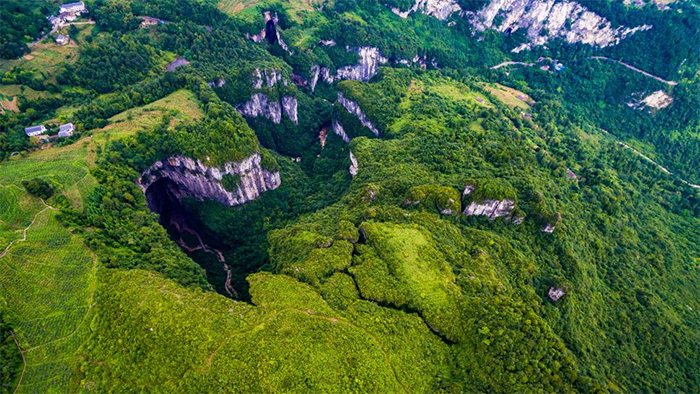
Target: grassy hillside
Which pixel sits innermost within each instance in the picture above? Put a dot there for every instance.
(47, 273)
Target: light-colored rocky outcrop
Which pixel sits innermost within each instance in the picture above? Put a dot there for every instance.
(440, 9)
(268, 76)
(270, 16)
(491, 208)
(354, 165)
(364, 70)
(340, 131)
(354, 109)
(547, 19)
(658, 100)
(549, 228)
(289, 106)
(260, 105)
(199, 181)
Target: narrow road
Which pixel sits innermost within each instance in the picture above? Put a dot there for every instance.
(633, 68)
(664, 169)
(496, 67)
(54, 30)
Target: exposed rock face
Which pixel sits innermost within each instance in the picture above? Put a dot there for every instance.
(354, 109)
(556, 293)
(545, 19)
(658, 100)
(270, 31)
(354, 165)
(339, 130)
(269, 76)
(549, 228)
(289, 106)
(260, 105)
(490, 208)
(199, 181)
(440, 9)
(364, 70)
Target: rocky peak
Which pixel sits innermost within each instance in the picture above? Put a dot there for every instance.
(269, 76)
(547, 19)
(195, 179)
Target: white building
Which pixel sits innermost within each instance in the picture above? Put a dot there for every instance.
(62, 40)
(35, 130)
(73, 8)
(66, 130)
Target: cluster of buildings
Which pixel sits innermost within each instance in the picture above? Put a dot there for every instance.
(67, 13)
(64, 130)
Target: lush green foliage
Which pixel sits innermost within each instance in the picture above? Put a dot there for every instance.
(368, 283)
(10, 358)
(20, 23)
(38, 187)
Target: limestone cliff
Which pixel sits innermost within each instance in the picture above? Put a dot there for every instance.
(547, 19)
(354, 165)
(490, 208)
(340, 131)
(199, 181)
(270, 31)
(364, 70)
(355, 109)
(440, 9)
(260, 103)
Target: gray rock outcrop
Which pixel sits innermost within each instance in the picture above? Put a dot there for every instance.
(440, 9)
(340, 131)
(354, 165)
(546, 19)
(199, 181)
(355, 109)
(364, 70)
(260, 105)
(491, 208)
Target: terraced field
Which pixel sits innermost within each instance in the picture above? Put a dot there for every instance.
(47, 274)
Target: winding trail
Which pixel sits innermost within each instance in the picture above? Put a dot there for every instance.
(24, 236)
(24, 362)
(202, 246)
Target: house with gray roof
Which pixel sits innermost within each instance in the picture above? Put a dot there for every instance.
(35, 130)
(66, 130)
(73, 8)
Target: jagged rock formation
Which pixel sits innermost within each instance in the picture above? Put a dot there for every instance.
(491, 208)
(260, 103)
(440, 9)
(546, 19)
(270, 31)
(340, 131)
(556, 293)
(364, 70)
(354, 109)
(269, 76)
(354, 165)
(549, 228)
(199, 181)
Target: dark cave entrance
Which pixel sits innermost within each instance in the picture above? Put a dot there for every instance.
(164, 197)
(271, 31)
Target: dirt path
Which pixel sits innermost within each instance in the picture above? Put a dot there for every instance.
(24, 362)
(664, 169)
(633, 68)
(496, 67)
(24, 236)
(202, 246)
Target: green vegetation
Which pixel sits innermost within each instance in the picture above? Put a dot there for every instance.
(374, 282)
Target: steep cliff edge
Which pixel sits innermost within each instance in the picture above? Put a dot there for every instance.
(232, 184)
(547, 19)
(355, 109)
(260, 103)
(364, 70)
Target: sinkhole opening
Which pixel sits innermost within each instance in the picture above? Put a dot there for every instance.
(166, 198)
